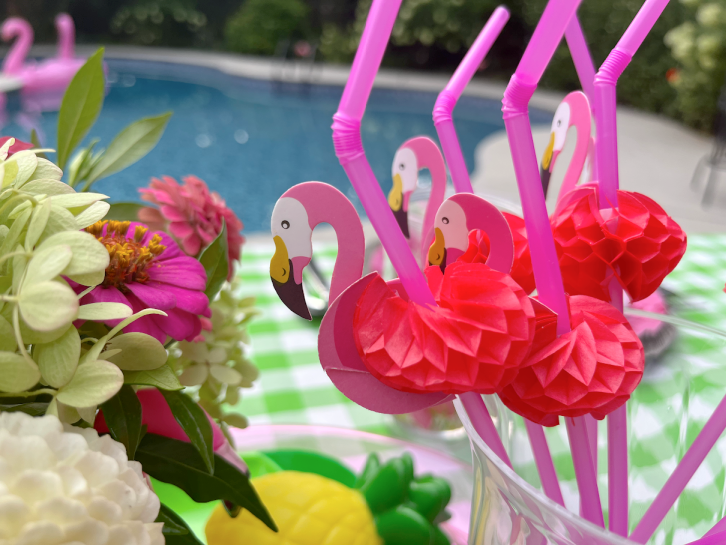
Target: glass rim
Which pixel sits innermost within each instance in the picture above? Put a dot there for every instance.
(569, 516)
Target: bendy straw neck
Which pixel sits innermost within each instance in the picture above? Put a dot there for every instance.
(447, 99)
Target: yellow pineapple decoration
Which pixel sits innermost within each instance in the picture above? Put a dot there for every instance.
(387, 505)
(308, 509)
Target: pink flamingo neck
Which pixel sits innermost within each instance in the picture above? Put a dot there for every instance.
(428, 155)
(483, 215)
(15, 58)
(579, 118)
(325, 204)
(66, 36)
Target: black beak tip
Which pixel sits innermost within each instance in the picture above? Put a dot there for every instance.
(545, 175)
(402, 219)
(293, 296)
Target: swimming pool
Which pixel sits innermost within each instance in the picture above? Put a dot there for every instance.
(249, 139)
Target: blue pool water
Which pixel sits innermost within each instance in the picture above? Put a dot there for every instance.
(250, 140)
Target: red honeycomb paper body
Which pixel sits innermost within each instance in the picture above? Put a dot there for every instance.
(474, 341)
(638, 244)
(592, 369)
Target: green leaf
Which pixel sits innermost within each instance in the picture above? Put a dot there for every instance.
(179, 463)
(162, 378)
(99, 312)
(48, 305)
(94, 383)
(139, 352)
(16, 373)
(34, 408)
(11, 239)
(124, 211)
(215, 258)
(130, 145)
(81, 105)
(176, 531)
(58, 359)
(123, 417)
(404, 526)
(195, 423)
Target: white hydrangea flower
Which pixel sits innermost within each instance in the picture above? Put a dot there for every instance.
(61, 485)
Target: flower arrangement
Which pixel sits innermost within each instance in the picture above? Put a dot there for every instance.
(88, 307)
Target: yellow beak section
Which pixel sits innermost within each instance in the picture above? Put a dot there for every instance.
(280, 262)
(395, 197)
(437, 249)
(547, 157)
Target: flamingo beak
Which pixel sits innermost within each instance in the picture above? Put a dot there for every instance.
(399, 204)
(284, 280)
(437, 251)
(548, 163)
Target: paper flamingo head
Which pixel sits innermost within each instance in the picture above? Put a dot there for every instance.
(294, 217)
(292, 234)
(574, 110)
(462, 213)
(414, 154)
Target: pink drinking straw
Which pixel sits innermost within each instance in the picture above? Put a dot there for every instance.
(606, 152)
(577, 45)
(447, 99)
(678, 480)
(442, 114)
(547, 274)
(350, 152)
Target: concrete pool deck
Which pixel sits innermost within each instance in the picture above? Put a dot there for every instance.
(657, 155)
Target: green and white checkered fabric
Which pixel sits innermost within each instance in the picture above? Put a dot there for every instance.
(676, 397)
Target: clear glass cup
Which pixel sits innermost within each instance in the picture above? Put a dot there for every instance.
(678, 393)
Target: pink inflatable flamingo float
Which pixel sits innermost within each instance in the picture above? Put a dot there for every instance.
(51, 75)
(294, 217)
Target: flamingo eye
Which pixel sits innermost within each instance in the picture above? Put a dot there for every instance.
(401, 166)
(559, 122)
(445, 220)
(285, 224)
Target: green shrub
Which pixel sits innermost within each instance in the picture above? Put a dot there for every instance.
(259, 25)
(699, 46)
(162, 22)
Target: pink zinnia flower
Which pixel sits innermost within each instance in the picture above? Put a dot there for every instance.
(192, 214)
(19, 145)
(148, 270)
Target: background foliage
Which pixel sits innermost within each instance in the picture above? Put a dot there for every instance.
(677, 73)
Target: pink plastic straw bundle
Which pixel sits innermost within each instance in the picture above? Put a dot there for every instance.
(557, 20)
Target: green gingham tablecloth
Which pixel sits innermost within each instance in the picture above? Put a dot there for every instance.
(666, 412)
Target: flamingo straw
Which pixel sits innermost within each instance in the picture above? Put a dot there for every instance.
(540, 49)
(606, 152)
(446, 101)
(350, 152)
(442, 114)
